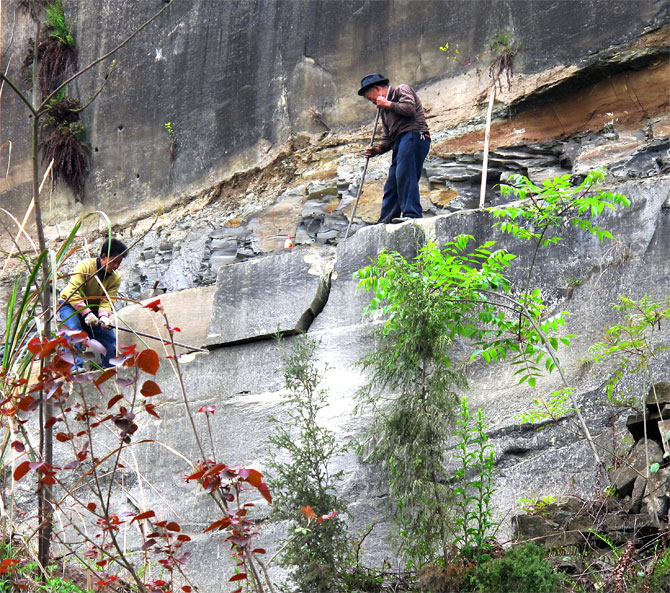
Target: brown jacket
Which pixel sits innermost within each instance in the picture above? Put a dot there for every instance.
(405, 115)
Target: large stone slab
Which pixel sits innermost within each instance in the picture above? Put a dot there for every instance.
(282, 293)
(189, 310)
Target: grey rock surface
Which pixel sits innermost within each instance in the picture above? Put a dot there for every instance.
(268, 295)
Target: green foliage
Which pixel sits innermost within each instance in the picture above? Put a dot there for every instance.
(56, 20)
(553, 406)
(522, 569)
(632, 343)
(473, 494)
(535, 505)
(659, 573)
(302, 483)
(408, 436)
(557, 202)
(502, 42)
(452, 53)
(469, 296)
(16, 573)
(58, 585)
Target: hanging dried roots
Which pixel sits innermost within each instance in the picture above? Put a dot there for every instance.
(63, 142)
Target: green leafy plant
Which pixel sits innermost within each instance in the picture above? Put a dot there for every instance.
(302, 480)
(535, 505)
(56, 20)
(465, 293)
(411, 393)
(473, 494)
(633, 342)
(169, 128)
(522, 569)
(504, 50)
(57, 50)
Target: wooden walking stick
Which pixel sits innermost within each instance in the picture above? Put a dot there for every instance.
(365, 169)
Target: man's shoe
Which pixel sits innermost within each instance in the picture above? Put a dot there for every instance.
(385, 220)
(401, 219)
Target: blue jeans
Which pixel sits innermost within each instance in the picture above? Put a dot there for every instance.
(73, 320)
(401, 191)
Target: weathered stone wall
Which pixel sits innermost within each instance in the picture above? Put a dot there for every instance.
(238, 79)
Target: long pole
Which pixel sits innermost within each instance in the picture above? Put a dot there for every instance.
(164, 340)
(487, 138)
(365, 170)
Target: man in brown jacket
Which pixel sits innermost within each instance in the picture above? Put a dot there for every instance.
(406, 133)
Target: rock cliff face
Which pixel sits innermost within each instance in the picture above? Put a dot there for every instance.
(238, 80)
(262, 99)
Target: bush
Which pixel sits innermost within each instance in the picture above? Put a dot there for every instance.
(523, 569)
(302, 481)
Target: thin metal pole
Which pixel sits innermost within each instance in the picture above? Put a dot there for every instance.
(164, 340)
(365, 169)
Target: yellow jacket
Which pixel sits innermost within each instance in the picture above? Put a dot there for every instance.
(87, 293)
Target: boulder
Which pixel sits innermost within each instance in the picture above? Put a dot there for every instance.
(259, 297)
(623, 477)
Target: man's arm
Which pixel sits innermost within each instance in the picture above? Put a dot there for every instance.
(406, 103)
(74, 293)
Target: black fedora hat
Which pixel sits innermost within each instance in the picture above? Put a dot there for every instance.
(372, 80)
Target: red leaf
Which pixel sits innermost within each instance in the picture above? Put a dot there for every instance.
(308, 511)
(149, 389)
(265, 492)
(8, 564)
(154, 305)
(51, 421)
(258, 551)
(124, 381)
(187, 589)
(151, 409)
(26, 403)
(35, 345)
(48, 480)
(173, 526)
(148, 361)
(21, 470)
(221, 524)
(63, 437)
(115, 399)
(238, 577)
(91, 506)
(18, 446)
(144, 515)
(95, 346)
(108, 374)
(326, 517)
(253, 476)
(215, 470)
(148, 544)
(195, 476)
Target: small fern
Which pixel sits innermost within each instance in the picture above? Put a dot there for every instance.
(56, 20)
